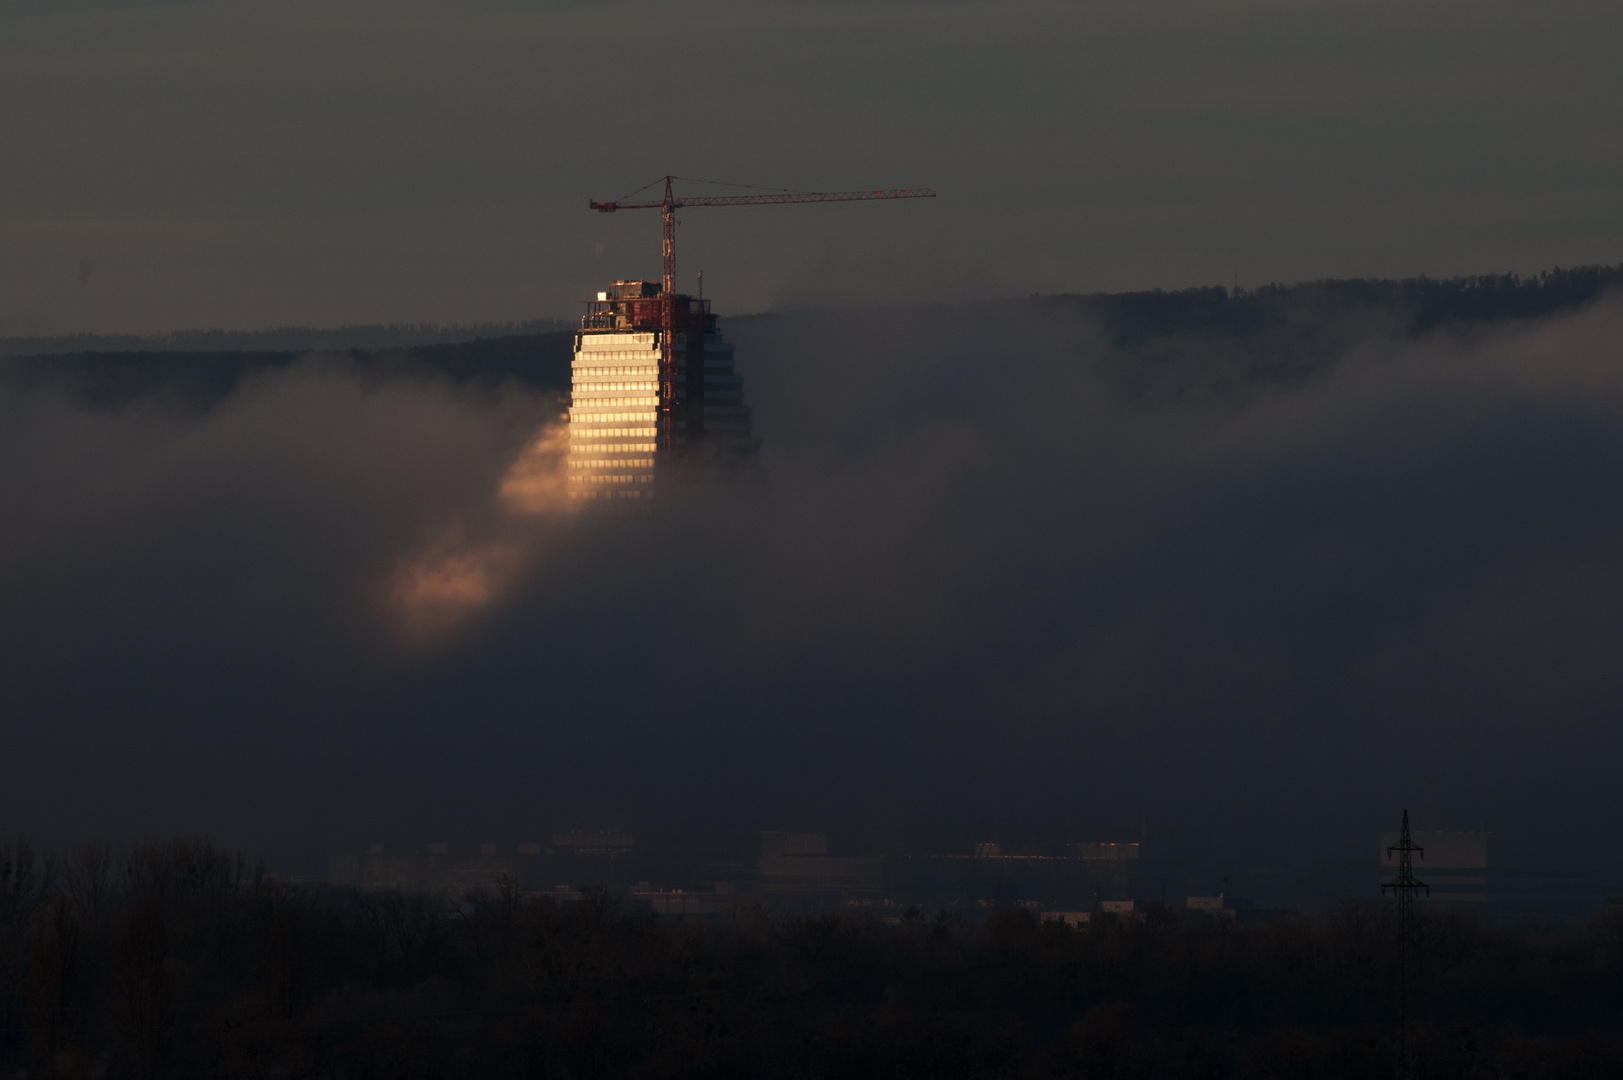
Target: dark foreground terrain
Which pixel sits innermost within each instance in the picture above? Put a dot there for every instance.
(176, 959)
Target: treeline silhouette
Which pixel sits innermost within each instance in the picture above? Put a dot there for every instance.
(1168, 342)
(1216, 340)
(295, 339)
(1416, 304)
(179, 959)
(203, 378)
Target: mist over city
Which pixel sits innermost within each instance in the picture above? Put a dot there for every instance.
(1014, 578)
(1144, 600)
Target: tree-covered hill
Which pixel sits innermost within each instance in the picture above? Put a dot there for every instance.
(1274, 333)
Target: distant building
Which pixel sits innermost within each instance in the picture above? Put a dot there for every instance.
(1068, 876)
(432, 868)
(1069, 918)
(683, 902)
(1211, 905)
(779, 844)
(619, 441)
(1100, 851)
(582, 851)
(994, 850)
(592, 834)
(797, 867)
(590, 849)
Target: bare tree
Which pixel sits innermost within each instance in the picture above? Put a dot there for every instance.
(89, 878)
(25, 882)
(142, 980)
(54, 1023)
(279, 967)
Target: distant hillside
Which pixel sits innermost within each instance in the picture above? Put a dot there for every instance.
(111, 378)
(279, 339)
(1168, 342)
(1175, 342)
(1416, 305)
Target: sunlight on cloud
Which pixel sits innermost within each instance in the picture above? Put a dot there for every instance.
(536, 483)
(464, 570)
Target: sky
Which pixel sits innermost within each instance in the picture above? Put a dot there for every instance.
(241, 165)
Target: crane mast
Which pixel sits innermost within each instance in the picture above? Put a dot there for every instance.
(667, 207)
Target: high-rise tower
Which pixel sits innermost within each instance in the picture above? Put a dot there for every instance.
(622, 439)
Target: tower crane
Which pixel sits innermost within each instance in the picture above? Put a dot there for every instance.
(667, 207)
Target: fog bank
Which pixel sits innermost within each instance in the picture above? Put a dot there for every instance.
(999, 575)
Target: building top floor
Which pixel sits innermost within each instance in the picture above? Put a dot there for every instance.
(640, 305)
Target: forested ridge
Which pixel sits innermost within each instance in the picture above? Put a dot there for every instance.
(1275, 333)
(179, 959)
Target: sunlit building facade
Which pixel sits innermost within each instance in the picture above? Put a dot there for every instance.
(618, 448)
(614, 415)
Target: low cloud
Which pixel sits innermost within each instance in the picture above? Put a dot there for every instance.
(991, 577)
(467, 568)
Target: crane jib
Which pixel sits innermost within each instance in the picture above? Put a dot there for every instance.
(668, 207)
(768, 200)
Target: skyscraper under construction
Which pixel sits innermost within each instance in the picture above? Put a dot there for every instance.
(623, 434)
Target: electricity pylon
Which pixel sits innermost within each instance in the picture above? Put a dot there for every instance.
(1405, 887)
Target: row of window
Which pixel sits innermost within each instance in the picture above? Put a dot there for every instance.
(610, 494)
(580, 445)
(609, 463)
(607, 371)
(613, 403)
(628, 479)
(730, 383)
(609, 356)
(604, 387)
(582, 414)
(579, 431)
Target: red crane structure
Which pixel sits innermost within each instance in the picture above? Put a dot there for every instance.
(667, 207)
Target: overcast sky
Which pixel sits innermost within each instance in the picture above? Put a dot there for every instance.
(242, 165)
